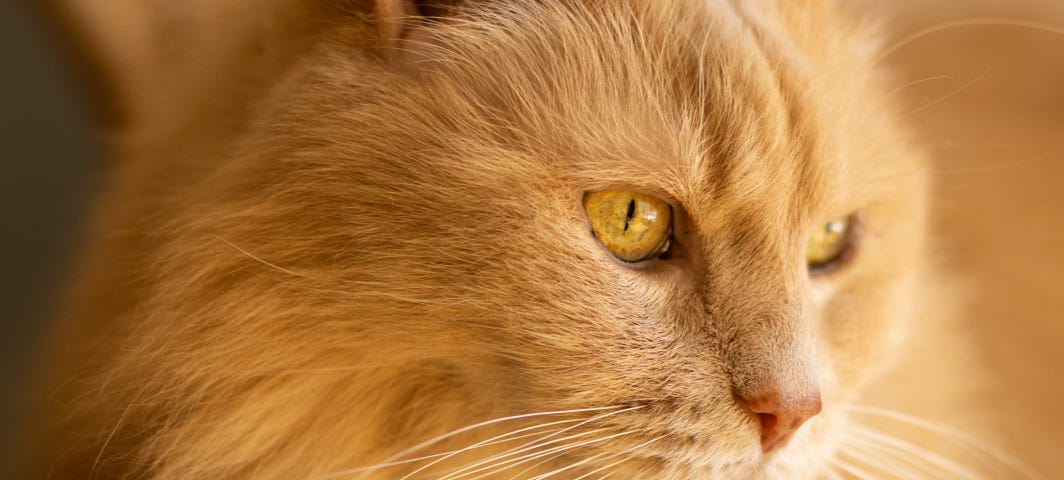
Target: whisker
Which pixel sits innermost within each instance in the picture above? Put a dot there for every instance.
(917, 452)
(879, 457)
(831, 474)
(528, 447)
(607, 455)
(540, 441)
(970, 22)
(614, 464)
(540, 437)
(491, 441)
(919, 82)
(546, 455)
(950, 433)
(536, 465)
(954, 93)
(853, 470)
(980, 145)
(916, 464)
(571, 466)
(533, 456)
(475, 426)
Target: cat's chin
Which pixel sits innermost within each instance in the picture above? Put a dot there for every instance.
(796, 464)
(796, 461)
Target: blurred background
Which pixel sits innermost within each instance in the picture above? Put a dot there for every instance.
(986, 97)
(49, 159)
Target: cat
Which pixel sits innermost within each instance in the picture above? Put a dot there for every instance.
(487, 239)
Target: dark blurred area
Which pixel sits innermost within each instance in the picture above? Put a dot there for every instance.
(49, 155)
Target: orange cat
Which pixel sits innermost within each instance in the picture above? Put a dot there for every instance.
(521, 239)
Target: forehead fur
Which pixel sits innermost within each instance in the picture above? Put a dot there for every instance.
(699, 101)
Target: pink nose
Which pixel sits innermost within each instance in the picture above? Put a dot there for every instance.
(781, 415)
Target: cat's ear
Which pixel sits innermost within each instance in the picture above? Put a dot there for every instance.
(404, 27)
(110, 40)
(396, 20)
(138, 52)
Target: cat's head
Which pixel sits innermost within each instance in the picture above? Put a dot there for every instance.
(698, 219)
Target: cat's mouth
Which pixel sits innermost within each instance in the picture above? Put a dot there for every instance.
(717, 445)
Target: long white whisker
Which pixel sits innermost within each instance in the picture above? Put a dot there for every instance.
(503, 438)
(917, 452)
(831, 474)
(853, 470)
(618, 462)
(957, 91)
(570, 466)
(475, 426)
(875, 456)
(607, 455)
(500, 459)
(495, 440)
(533, 456)
(592, 420)
(920, 82)
(542, 441)
(950, 433)
(916, 463)
(987, 21)
(537, 465)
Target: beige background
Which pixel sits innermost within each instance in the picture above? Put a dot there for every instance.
(990, 106)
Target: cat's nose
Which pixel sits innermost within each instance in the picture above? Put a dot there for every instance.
(781, 414)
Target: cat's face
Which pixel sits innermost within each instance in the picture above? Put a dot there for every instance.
(457, 179)
(436, 199)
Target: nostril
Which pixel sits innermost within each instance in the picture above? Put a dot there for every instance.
(768, 421)
(781, 415)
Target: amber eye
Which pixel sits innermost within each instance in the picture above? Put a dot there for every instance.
(632, 226)
(829, 243)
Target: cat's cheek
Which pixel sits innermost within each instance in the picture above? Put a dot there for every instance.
(862, 328)
(673, 272)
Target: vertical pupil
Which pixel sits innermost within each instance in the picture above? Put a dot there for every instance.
(628, 216)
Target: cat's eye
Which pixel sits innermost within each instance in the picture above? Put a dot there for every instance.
(631, 225)
(829, 243)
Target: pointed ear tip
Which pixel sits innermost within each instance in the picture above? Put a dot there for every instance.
(400, 9)
(96, 56)
(397, 21)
